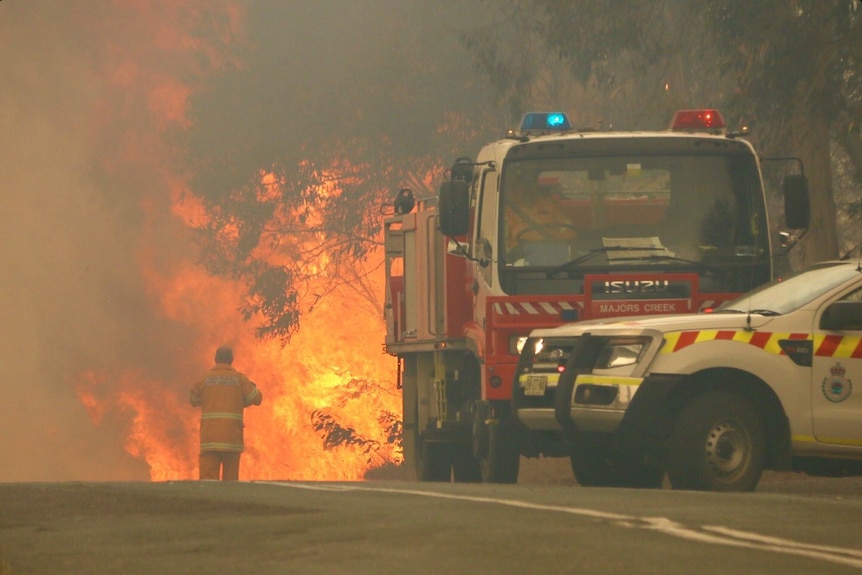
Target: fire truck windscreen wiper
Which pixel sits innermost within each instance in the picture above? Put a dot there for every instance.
(716, 272)
(648, 258)
(572, 264)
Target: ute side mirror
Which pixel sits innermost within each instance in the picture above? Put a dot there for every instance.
(454, 208)
(797, 208)
(842, 315)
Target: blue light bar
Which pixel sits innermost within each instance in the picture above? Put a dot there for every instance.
(545, 122)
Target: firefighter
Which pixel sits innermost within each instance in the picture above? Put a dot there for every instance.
(222, 394)
(535, 221)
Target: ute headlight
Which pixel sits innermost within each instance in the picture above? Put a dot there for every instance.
(620, 353)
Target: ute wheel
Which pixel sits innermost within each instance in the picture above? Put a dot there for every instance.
(593, 466)
(718, 444)
(436, 462)
(503, 459)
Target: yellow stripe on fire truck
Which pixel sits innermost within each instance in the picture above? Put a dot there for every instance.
(823, 345)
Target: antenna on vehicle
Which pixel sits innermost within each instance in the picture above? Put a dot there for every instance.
(748, 313)
(846, 256)
(751, 283)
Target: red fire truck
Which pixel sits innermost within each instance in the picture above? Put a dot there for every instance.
(551, 225)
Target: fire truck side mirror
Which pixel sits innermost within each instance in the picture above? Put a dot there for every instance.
(456, 248)
(454, 208)
(797, 209)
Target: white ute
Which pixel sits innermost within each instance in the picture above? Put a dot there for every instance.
(770, 380)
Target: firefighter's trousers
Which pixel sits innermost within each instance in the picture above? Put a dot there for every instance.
(222, 465)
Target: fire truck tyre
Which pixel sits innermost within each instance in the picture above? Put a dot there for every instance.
(436, 462)
(718, 444)
(480, 432)
(465, 467)
(504, 456)
(594, 468)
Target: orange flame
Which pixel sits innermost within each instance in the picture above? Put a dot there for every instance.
(332, 379)
(332, 367)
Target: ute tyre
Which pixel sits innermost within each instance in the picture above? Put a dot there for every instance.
(465, 467)
(613, 474)
(594, 468)
(718, 444)
(503, 460)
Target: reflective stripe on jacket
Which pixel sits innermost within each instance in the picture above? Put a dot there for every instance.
(222, 394)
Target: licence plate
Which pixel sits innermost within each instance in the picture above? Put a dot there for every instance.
(535, 384)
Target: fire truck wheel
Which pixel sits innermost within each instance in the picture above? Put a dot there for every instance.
(465, 467)
(503, 460)
(594, 467)
(436, 462)
(480, 431)
(718, 444)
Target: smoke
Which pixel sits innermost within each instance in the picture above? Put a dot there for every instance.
(105, 106)
(85, 200)
(388, 70)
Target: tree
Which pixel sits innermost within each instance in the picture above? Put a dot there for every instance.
(797, 64)
(627, 64)
(298, 147)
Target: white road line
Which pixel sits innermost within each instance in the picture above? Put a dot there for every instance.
(716, 535)
(794, 547)
(779, 541)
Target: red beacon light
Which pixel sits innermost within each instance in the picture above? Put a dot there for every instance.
(697, 120)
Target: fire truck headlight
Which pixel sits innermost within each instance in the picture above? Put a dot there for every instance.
(620, 353)
(516, 344)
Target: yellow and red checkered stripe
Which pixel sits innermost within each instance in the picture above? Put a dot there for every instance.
(823, 345)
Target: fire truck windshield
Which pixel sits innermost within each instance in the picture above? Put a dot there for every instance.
(699, 212)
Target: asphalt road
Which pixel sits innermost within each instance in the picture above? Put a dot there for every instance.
(792, 524)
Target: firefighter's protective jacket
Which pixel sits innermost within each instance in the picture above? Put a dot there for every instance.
(541, 219)
(222, 394)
